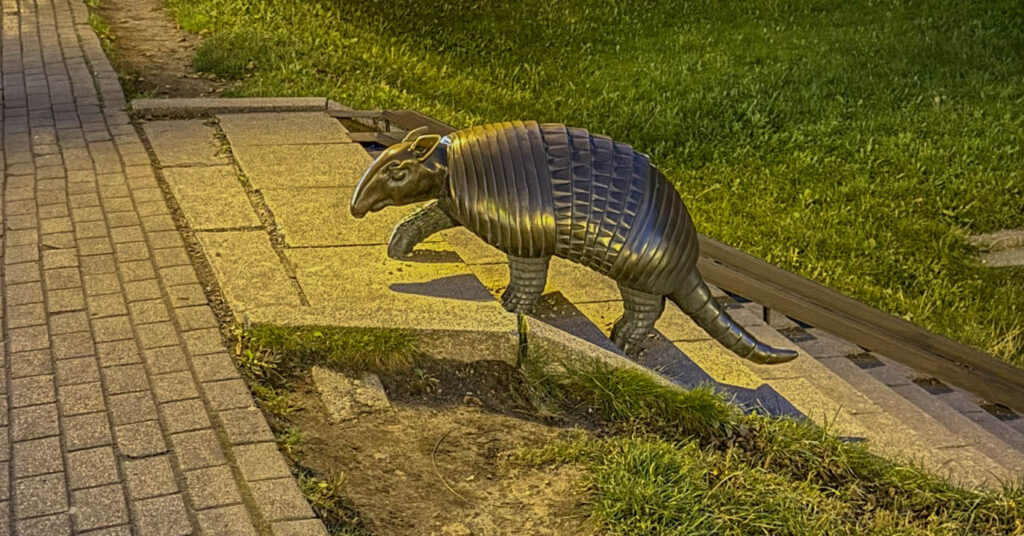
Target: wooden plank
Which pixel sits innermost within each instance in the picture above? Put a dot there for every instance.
(356, 114)
(383, 138)
(815, 304)
(409, 119)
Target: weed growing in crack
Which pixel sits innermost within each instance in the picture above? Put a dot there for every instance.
(327, 500)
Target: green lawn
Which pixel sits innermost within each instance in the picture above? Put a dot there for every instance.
(856, 143)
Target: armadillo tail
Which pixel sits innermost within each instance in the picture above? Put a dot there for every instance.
(695, 299)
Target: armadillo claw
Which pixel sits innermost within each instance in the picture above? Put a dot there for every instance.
(627, 339)
(515, 302)
(399, 247)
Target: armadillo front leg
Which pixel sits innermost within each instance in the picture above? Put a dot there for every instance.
(526, 279)
(416, 227)
(640, 311)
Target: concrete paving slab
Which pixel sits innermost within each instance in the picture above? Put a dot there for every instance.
(602, 314)
(674, 325)
(1004, 258)
(433, 289)
(826, 345)
(819, 406)
(938, 436)
(998, 428)
(891, 373)
(677, 326)
(962, 401)
(809, 369)
(211, 197)
(899, 439)
(1010, 459)
(276, 128)
(720, 363)
(747, 315)
(347, 398)
(970, 467)
(472, 248)
(249, 271)
(184, 143)
(1017, 424)
(579, 283)
(494, 277)
(303, 166)
(309, 217)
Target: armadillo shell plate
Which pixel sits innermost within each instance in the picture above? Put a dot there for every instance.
(533, 190)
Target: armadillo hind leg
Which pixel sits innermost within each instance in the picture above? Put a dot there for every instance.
(640, 311)
(526, 279)
(416, 227)
(696, 300)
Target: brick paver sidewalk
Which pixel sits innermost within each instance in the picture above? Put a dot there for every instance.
(122, 410)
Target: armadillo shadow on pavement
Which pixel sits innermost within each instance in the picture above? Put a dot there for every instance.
(536, 190)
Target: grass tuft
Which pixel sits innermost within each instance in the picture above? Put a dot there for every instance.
(362, 349)
(329, 504)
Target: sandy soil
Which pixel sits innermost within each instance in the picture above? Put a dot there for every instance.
(153, 54)
(432, 465)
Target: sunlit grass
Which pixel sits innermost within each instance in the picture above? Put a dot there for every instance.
(855, 143)
(686, 462)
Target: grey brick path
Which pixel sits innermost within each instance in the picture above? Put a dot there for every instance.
(122, 410)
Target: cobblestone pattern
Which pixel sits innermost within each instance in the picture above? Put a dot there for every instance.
(121, 406)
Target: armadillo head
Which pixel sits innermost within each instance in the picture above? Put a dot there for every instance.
(410, 171)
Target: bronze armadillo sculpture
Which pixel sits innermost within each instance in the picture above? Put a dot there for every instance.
(536, 190)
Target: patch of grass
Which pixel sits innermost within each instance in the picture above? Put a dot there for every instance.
(288, 440)
(325, 496)
(101, 27)
(678, 462)
(855, 143)
(363, 349)
(231, 56)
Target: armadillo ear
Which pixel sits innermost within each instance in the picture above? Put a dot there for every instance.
(424, 145)
(415, 133)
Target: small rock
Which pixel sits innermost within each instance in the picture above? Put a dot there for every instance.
(346, 398)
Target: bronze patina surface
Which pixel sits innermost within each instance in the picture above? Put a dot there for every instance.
(536, 190)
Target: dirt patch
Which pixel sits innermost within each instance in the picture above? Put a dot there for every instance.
(432, 464)
(154, 55)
